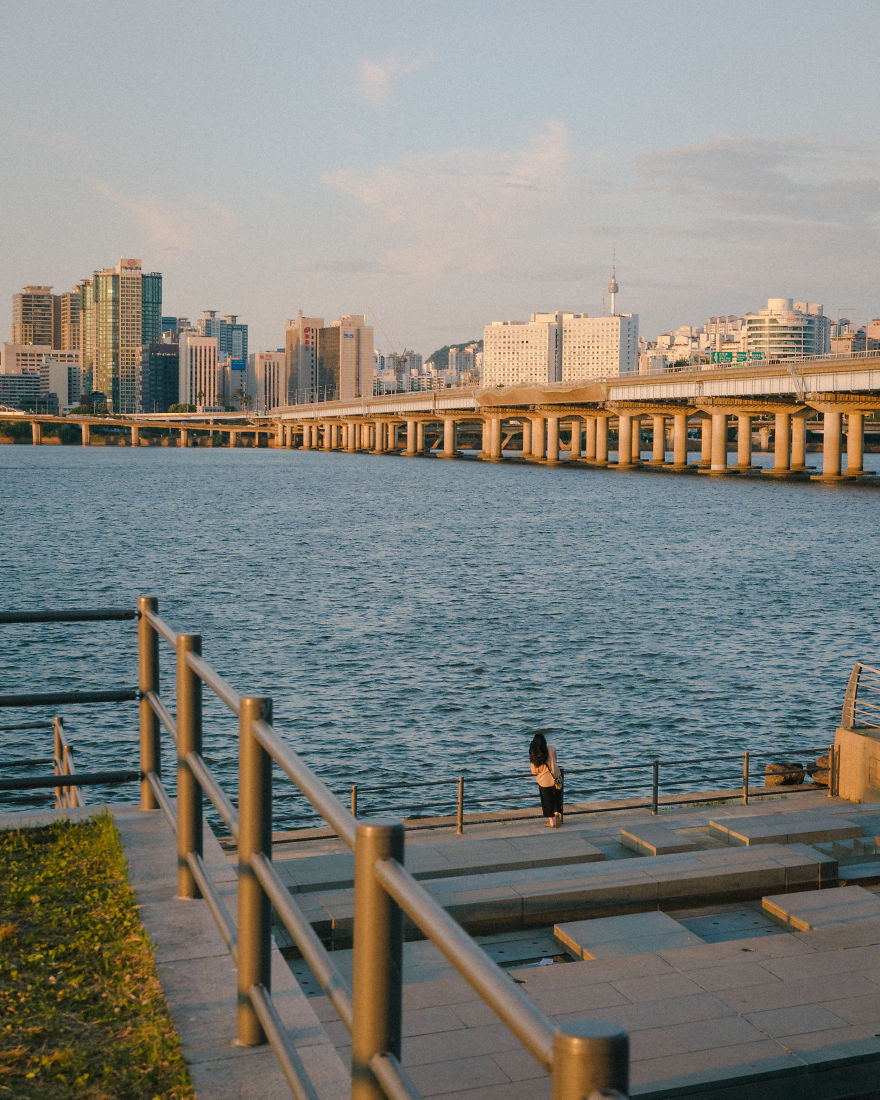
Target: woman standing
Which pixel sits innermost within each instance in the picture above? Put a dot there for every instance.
(542, 758)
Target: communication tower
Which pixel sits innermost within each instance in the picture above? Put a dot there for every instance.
(612, 286)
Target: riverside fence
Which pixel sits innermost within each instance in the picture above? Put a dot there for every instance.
(580, 1057)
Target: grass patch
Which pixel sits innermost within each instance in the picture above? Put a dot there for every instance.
(82, 1011)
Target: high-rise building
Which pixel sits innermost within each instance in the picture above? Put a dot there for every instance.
(70, 336)
(158, 377)
(787, 330)
(120, 311)
(345, 359)
(232, 334)
(197, 371)
(559, 347)
(301, 358)
(36, 317)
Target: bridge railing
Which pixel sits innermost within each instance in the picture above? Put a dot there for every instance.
(580, 1057)
(861, 703)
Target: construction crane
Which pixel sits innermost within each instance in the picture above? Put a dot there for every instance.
(382, 330)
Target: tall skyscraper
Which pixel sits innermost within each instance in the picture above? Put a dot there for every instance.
(121, 310)
(301, 358)
(36, 317)
(70, 337)
(232, 334)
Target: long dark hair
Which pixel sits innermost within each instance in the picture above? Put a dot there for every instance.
(538, 750)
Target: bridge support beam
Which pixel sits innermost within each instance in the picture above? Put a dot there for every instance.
(743, 441)
(782, 443)
(411, 446)
(636, 448)
(420, 437)
(719, 443)
(679, 441)
(575, 447)
(526, 436)
(448, 437)
(799, 442)
(658, 440)
(602, 441)
(705, 442)
(184, 438)
(538, 445)
(855, 443)
(831, 439)
(590, 444)
(552, 440)
(86, 430)
(624, 441)
(36, 433)
(135, 436)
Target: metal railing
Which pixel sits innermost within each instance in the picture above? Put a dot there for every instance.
(580, 1058)
(861, 703)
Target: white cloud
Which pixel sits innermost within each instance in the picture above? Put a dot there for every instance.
(376, 77)
(170, 226)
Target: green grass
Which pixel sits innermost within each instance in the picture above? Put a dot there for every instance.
(81, 1010)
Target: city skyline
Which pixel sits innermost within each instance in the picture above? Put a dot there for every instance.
(461, 166)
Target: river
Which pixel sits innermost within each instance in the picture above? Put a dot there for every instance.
(415, 619)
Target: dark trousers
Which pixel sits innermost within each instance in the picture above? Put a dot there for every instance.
(551, 801)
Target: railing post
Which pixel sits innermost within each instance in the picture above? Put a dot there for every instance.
(378, 958)
(354, 800)
(655, 786)
(459, 821)
(255, 836)
(745, 778)
(189, 739)
(148, 680)
(589, 1056)
(61, 794)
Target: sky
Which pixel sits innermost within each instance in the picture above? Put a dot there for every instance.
(441, 165)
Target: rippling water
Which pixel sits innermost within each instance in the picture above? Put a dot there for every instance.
(420, 619)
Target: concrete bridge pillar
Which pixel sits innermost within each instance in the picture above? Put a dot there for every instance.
(719, 443)
(602, 441)
(135, 436)
(636, 449)
(855, 443)
(679, 441)
(36, 433)
(420, 436)
(743, 441)
(526, 437)
(492, 439)
(658, 441)
(538, 445)
(831, 434)
(624, 440)
(379, 437)
(705, 442)
(484, 437)
(86, 430)
(575, 449)
(184, 437)
(552, 439)
(234, 439)
(327, 443)
(410, 439)
(307, 436)
(590, 444)
(799, 442)
(316, 434)
(448, 437)
(782, 443)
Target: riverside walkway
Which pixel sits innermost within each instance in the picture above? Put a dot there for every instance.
(743, 962)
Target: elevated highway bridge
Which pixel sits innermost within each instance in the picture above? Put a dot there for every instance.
(576, 421)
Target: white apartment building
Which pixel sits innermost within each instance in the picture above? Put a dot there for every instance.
(15, 358)
(786, 330)
(559, 347)
(266, 379)
(198, 372)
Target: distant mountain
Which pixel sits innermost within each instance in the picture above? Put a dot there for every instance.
(440, 358)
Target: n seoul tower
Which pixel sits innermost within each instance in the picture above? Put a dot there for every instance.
(612, 286)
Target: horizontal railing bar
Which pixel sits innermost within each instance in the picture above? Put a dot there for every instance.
(224, 922)
(162, 798)
(162, 713)
(313, 951)
(533, 1029)
(80, 779)
(27, 763)
(161, 627)
(52, 698)
(106, 614)
(221, 803)
(315, 790)
(212, 679)
(291, 1065)
(395, 1081)
(46, 723)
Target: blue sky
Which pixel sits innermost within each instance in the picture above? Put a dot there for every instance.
(438, 166)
